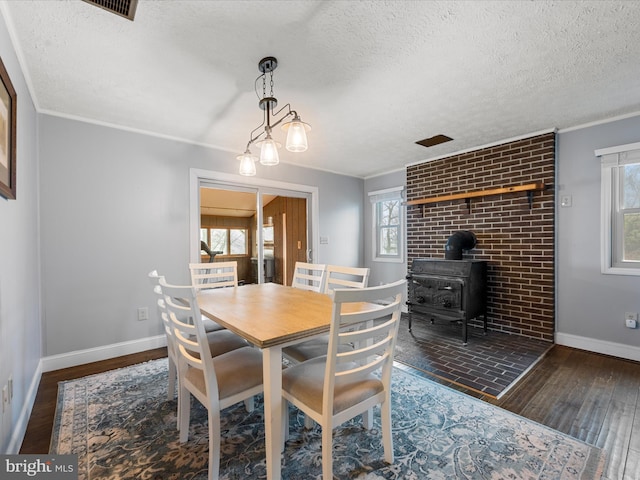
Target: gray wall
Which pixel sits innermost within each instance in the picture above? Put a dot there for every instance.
(381, 272)
(20, 323)
(115, 205)
(591, 306)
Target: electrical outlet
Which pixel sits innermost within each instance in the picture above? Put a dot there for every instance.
(631, 319)
(566, 201)
(143, 313)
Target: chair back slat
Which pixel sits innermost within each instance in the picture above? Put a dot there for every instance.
(214, 275)
(361, 317)
(379, 332)
(154, 278)
(364, 369)
(345, 277)
(162, 312)
(164, 316)
(309, 276)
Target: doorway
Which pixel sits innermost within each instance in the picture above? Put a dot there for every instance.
(266, 226)
(285, 236)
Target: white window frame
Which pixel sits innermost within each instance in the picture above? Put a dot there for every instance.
(611, 231)
(395, 193)
(228, 234)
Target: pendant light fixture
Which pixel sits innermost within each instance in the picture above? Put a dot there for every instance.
(296, 129)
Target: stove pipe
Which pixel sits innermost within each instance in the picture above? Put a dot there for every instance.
(461, 240)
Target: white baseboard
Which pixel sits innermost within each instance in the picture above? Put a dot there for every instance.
(80, 357)
(20, 428)
(599, 346)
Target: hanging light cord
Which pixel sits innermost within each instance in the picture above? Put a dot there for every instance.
(265, 118)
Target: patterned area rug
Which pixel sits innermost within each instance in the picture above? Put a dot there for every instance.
(122, 426)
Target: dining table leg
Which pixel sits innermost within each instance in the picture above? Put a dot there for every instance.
(272, 381)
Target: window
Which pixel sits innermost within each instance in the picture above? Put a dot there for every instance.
(620, 229)
(238, 242)
(267, 235)
(388, 221)
(229, 241)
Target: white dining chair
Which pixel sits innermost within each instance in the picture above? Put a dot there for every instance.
(205, 276)
(308, 276)
(339, 386)
(219, 341)
(336, 276)
(154, 278)
(216, 382)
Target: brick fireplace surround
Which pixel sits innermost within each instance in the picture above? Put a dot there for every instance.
(516, 241)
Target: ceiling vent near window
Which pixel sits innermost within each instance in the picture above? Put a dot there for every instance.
(123, 8)
(436, 140)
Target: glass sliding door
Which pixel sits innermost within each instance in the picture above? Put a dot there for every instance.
(265, 228)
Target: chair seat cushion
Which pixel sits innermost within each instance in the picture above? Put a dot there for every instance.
(223, 341)
(236, 371)
(301, 352)
(210, 325)
(305, 381)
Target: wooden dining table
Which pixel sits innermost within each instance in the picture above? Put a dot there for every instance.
(271, 317)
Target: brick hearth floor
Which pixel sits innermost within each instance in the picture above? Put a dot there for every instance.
(488, 365)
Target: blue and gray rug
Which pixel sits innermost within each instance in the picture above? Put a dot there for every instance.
(122, 426)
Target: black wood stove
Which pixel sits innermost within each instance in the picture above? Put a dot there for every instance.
(453, 290)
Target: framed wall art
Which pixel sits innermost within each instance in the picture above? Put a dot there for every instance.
(7, 135)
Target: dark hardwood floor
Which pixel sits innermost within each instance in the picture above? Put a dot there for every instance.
(592, 397)
(38, 434)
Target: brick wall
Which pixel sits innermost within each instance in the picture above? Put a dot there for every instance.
(517, 242)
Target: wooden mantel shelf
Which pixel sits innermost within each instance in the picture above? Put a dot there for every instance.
(529, 188)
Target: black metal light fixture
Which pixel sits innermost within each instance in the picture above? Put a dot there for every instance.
(296, 129)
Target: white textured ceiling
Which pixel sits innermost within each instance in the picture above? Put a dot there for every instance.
(371, 77)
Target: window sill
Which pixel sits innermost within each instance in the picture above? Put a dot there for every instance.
(388, 259)
(635, 272)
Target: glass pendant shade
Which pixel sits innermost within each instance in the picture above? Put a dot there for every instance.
(247, 164)
(296, 135)
(269, 152)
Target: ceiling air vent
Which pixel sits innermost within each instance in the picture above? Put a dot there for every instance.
(124, 8)
(437, 140)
